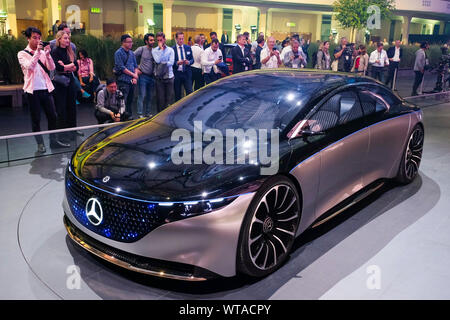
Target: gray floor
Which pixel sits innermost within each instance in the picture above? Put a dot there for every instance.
(402, 232)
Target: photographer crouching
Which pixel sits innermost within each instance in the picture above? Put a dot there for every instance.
(110, 104)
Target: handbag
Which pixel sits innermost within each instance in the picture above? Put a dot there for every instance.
(161, 71)
(334, 65)
(61, 79)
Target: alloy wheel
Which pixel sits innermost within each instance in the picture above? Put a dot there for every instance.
(273, 226)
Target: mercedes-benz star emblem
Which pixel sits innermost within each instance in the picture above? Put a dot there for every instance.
(94, 211)
(106, 179)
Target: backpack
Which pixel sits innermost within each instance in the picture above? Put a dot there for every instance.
(357, 63)
(314, 59)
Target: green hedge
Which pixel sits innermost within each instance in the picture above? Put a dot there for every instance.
(101, 50)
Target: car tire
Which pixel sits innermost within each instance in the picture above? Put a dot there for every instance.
(269, 227)
(412, 156)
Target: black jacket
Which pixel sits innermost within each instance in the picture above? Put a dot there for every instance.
(241, 61)
(391, 52)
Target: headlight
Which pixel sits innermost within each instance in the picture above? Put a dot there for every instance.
(179, 211)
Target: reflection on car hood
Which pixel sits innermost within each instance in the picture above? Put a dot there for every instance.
(136, 162)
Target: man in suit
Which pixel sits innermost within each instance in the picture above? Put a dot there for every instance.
(241, 55)
(395, 55)
(224, 38)
(182, 66)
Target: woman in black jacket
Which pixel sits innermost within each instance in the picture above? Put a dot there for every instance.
(64, 81)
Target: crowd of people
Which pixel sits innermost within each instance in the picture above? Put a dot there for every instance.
(56, 76)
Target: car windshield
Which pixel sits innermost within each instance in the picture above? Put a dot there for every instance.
(254, 101)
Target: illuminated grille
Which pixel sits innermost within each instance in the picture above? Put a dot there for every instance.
(124, 220)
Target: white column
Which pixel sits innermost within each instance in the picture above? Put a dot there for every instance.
(263, 19)
(95, 27)
(405, 28)
(318, 31)
(11, 20)
(219, 23)
(167, 18)
(52, 14)
(141, 27)
(269, 23)
(441, 27)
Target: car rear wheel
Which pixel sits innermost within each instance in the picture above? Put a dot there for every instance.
(269, 228)
(409, 165)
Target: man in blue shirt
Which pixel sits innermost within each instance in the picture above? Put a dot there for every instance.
(164, 57)
(126, 70)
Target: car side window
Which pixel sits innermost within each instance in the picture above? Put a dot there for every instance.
(350, 108)
(372, 102)
(337, 110)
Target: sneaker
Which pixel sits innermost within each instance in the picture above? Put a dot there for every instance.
(41, 148)
(58, 144)
(86, 95)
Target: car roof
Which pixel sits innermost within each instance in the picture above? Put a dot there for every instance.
(329, 76)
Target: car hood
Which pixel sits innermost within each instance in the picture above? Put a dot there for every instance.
(135, 160)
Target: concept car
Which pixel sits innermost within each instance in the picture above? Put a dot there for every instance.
(337, 137)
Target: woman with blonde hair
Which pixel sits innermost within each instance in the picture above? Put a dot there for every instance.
(64, 81)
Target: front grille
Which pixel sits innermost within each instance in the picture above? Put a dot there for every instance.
(138, 263)
(124, 220)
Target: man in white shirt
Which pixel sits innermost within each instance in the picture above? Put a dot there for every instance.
(197, 75)
(211, 57)
(270, 57)
(379, 60)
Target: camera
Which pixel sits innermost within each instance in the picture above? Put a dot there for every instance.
(119, 95)
(45, 43)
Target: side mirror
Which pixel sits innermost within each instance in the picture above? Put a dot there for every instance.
(301, 129)
(309, 133)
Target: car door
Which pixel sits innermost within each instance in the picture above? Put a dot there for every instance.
(344, 148)
(388, 131)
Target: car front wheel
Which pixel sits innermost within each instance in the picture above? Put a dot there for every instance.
(269, 228)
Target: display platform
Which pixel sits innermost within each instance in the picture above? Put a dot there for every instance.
(393, 245)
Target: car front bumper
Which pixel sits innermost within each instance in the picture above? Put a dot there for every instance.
(194, 249)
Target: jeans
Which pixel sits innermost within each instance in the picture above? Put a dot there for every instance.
(127, 89)
(417, 81)
(182, 79)
(146, 84)
(378, 73)
(164, 93)
(90, 87)
(42, 99)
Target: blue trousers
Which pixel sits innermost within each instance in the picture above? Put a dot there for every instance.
(182, 79)
(144, 104)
